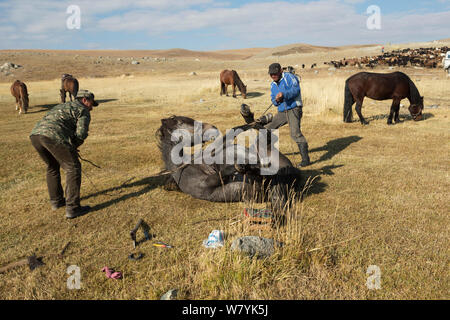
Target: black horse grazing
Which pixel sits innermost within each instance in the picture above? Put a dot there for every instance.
(227, 182)
(378, 86)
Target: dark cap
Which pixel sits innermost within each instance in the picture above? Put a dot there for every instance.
(88, 95)
(275, 68)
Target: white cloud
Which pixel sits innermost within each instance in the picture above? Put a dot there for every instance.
(327, 22)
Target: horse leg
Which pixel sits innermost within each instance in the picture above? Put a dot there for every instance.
(358, 107)
(234, 90)
(17, 104)
(221, 88)
(391, 113)
(397, 112)
(20, 106)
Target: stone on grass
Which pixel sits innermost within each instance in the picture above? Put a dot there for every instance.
(255, 246)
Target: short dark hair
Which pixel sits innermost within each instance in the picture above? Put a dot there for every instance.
(275, 68)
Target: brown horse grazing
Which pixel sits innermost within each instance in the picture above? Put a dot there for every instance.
(227, 78)
(20, 92)
(68, 84)
(378, 86)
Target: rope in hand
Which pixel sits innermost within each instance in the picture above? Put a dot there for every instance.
(267, 109)
(88, 161)
(92, 183)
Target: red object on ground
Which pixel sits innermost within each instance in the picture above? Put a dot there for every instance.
(112, 274)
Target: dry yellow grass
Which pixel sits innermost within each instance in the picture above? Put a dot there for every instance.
(381, 198)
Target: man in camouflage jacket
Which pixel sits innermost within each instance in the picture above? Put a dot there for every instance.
(56, 139)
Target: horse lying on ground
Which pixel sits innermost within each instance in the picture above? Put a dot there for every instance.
(224, 181)
(20, 92)
(378, 86)
(228, 77)
(68, 84)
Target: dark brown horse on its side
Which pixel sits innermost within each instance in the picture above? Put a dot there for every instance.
(379, 86)
(227, 78)
(68, 84)
(20, 92)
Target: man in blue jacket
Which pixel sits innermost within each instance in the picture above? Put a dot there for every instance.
(286, 95)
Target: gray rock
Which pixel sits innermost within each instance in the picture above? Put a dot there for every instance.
(170, 295)
(192, 74)
(8, 66)
(134, 62)
(255, 246)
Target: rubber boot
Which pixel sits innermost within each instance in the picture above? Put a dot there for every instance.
(303, 147)
(77, 212)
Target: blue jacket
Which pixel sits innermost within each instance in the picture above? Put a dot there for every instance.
(290, 87)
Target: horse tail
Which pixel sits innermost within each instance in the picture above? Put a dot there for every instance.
(348, 103)
(75, 88)
(24, 97)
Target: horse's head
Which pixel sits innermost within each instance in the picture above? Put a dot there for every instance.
(244, 91)
(196, 130)
(416, 110)
(181, 130)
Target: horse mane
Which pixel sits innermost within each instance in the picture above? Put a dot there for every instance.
(238, 80)
(413, 92)
(165, 144)
(164, 141)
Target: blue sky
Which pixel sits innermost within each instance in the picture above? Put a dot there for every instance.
(216, 25)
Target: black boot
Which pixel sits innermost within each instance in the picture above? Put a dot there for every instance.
(77, 212)
(303, 147)
(247, 114)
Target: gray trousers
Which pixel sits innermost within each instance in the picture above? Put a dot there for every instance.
(293, 117)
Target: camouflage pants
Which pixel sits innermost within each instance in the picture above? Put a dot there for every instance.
(57, 155)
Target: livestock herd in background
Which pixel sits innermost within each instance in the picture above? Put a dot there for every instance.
(422, 57)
